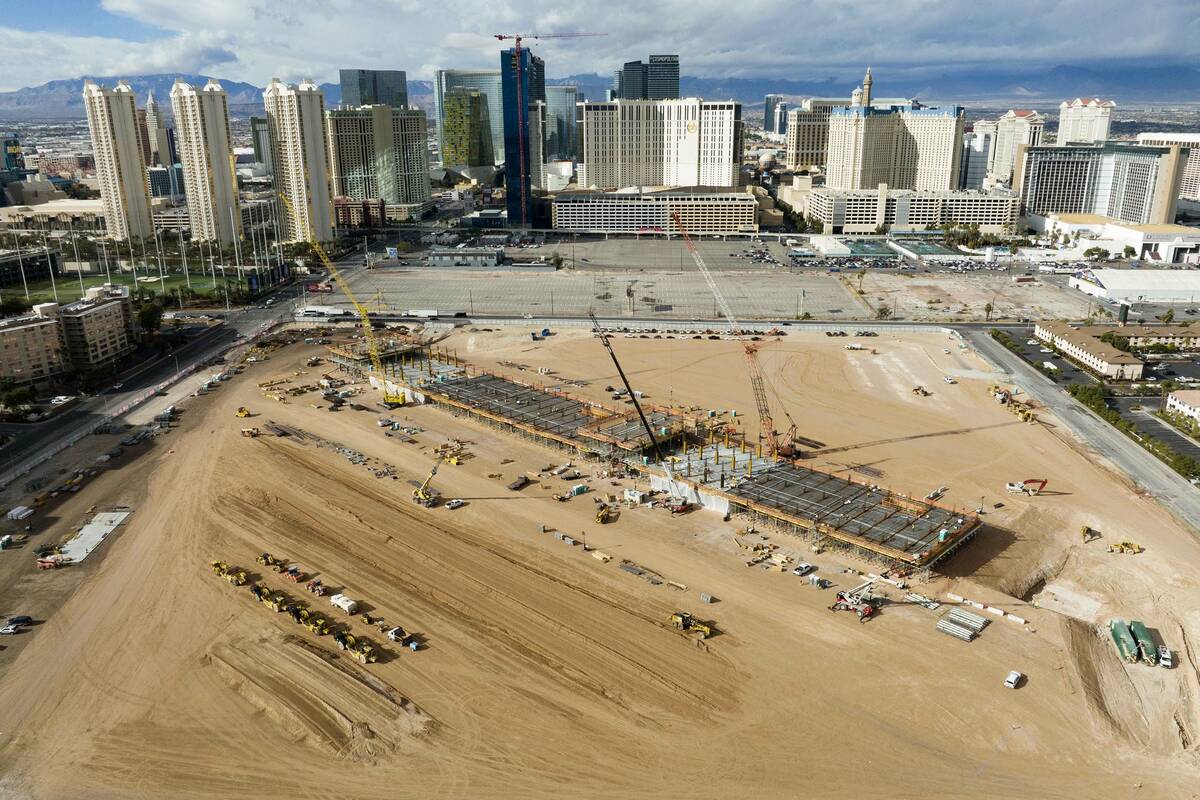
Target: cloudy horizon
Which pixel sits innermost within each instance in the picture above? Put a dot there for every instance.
(251, 40)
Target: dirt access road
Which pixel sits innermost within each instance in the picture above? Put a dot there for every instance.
(546, 673)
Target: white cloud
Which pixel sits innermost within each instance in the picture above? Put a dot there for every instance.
(252, 40)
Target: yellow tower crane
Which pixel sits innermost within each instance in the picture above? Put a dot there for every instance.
(363, 314)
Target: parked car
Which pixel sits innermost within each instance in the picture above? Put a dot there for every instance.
(1013, 680)
(803, 569)
(1165, 658)
(10, 630)
(456, 503)
(21, 619)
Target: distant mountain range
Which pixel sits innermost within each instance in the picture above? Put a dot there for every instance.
(64, 99)
(978, 86)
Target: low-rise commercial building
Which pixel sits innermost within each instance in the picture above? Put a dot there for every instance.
(1158, 244)
(468, 257)
(1140, 285)
(704, 210)
(57, 215)
(1084, 346)
(869, 210)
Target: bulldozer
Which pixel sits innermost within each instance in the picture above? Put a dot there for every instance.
(267, 560)
(685, 622)
(242, 412)
(921, 391)
(1132, 548)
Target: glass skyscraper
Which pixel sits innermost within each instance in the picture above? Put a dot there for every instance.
(657, 79)
(524, 83)
(369, 87)
(484, 81)
(466, 129)
(560, 121)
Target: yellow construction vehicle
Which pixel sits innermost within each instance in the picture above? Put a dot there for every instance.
(688, 624)
(1087, 533)
(268, 560)
(364, 315)
(235, 576)
(219, 567)
(243, 412)
(603, 513)
(1133, 548)
(423, 494)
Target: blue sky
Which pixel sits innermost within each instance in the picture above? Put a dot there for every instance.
(253, 40)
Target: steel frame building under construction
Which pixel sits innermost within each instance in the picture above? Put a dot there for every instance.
(709, 464)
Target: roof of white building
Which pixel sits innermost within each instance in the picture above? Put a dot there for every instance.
(1190, 397)
(1135, 279)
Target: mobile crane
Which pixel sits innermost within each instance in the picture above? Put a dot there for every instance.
(364, 315)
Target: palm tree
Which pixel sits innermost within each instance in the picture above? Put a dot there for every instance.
(987, 311)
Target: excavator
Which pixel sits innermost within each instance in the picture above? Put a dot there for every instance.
(423, 494)
(603, 513)
(1030, 486)
(685, 622)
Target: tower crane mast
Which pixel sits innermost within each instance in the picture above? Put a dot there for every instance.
(521, 102)
(766, 420)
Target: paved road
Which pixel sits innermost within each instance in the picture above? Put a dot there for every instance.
(1171, 489)
(31, 441)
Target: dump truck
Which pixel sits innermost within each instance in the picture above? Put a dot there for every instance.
(1127, 646)
(1147, 649)
(344, 603)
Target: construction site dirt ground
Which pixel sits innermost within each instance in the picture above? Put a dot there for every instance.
(548, 673)
(944, 296)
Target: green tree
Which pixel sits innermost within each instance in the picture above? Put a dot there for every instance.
(987, 311)
(1129, 252)
(150, 317)
(1168, 317)
(883, 312)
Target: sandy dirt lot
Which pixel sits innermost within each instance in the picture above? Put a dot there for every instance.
(929, 296)
(547, 673)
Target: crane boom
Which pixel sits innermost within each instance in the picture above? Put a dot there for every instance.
(363, 313)
(766, 421)
(666, 462)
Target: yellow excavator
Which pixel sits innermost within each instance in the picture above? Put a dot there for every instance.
(688, 624)
(363, 314)
(423, 494)
(603, 513)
